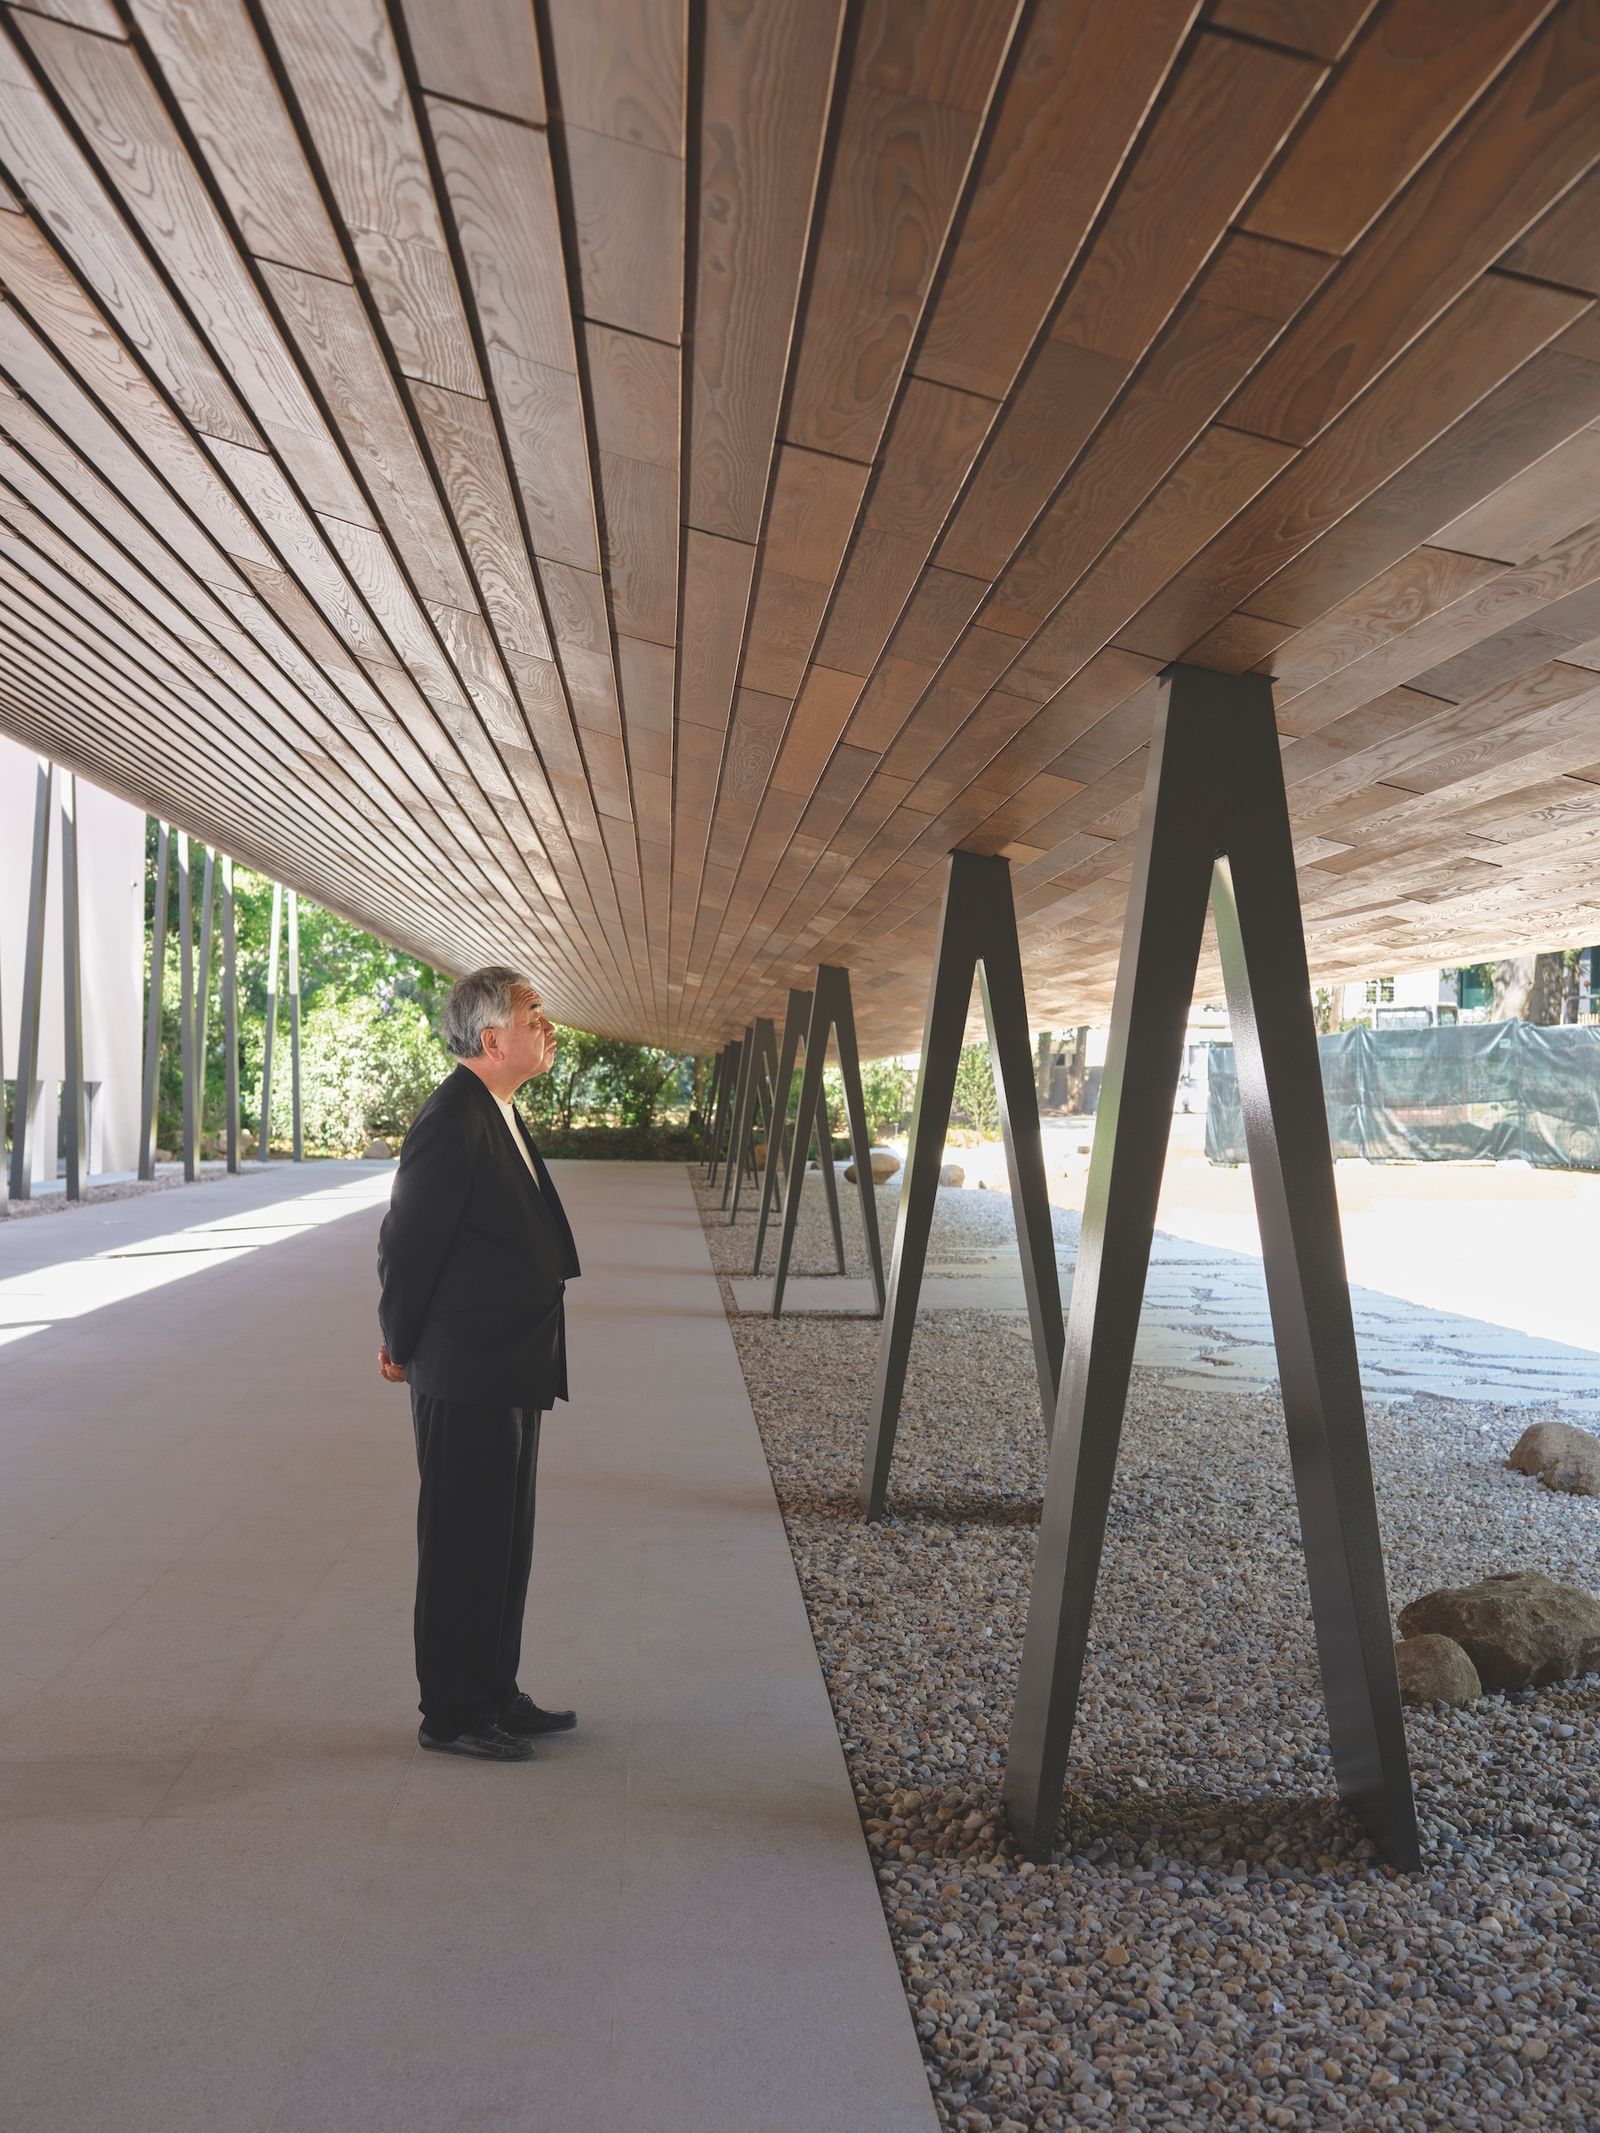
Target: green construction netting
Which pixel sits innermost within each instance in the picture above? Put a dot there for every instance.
(1473, 1093)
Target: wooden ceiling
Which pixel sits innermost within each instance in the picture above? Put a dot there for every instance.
(629, 484)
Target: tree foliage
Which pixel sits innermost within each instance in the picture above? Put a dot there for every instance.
(975, 1098)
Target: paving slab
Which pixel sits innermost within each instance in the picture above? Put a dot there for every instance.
(233, 1893)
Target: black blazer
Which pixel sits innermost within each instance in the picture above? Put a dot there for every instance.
(473, 1258)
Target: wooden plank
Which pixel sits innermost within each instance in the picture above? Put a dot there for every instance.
(1073, 100)
(1396, 601)
(814, 503)
(1520, 148)
(466, 452)
(1564, 245)
(716, 592)
(216, 72)
(61, 190)
(1322, 27)
(336, 344)
(1534, 509)
(619, 68)
(344, 67)
(1493, 328)
(483, 52)
(905, 137)
(930, 445)
(765, 79)
(1416, 68)
(1229, 108)
(627, 210)
(1545, 401)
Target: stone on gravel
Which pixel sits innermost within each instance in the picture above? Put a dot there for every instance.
(1435, 1669)
(1562, 1456)
(1520, 1629)
(952, 1174)
(377, 1151)
(884, 1165)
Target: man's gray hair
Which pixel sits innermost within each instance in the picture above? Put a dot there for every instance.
(483, 999)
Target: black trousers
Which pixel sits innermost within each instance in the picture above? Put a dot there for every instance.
(474, 1547)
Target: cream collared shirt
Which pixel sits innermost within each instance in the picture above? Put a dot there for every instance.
(516, 1133)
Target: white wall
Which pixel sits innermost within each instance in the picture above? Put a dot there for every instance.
(111, 887)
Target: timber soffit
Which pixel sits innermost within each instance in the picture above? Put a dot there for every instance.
(630, 484)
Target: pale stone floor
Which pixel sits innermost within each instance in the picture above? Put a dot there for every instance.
(234, 1895)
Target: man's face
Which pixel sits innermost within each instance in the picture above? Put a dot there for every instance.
(528, 1042)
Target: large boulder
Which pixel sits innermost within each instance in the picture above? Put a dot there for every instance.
(1563, 1457)
(1520, 1630)
(884, 1163)
(1435, 1670)
(952, 1174)
(378, 1151)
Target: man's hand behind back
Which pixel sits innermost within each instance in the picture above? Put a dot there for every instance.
(395, 1373)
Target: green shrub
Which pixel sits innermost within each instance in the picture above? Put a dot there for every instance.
(364, 1070)
(976, 1099)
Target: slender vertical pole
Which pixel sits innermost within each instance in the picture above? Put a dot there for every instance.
(186, 1001)
(833, 984)
(230, 1017)
(272, 1021)
(294, 1022)
(151, 1090)
(202, 998)
(27, 1101)
(794, 1021)
(734, 1157)
(73, 1092)
(708, 1138)
(724, 1116)
(758, 1102)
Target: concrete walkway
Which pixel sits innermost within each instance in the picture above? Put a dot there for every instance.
(235, 1896)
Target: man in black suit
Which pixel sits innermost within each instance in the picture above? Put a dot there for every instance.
(473, 1258)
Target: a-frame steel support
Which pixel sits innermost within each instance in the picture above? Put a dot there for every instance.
(978, 934)
(832, 1012)
(708, 1131)
(1216, 824)
(230, 1019)
(733, 1154)
(722, 1124)
(272, 1021)
(762, 1055)
(796, 1018)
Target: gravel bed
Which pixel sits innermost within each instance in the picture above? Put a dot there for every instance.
(1215, 1943)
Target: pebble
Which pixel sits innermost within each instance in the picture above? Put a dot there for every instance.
(1214, 1943)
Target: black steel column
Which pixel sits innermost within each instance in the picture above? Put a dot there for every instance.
(734, 1053)
(733, 1155)
(27, 1084)
(1214, 793)
(272, 1022)
(831, 1011)
(186, 1003)
(294, 1025)
(151, 1088)
(978, 936)
(74, 1096)
(758, 1103)
(230, 1018)
(794, 1017)
(202, 996)
(708, 1129)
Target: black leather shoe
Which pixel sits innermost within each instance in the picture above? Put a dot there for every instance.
(523, 1718)
(489, 1742)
